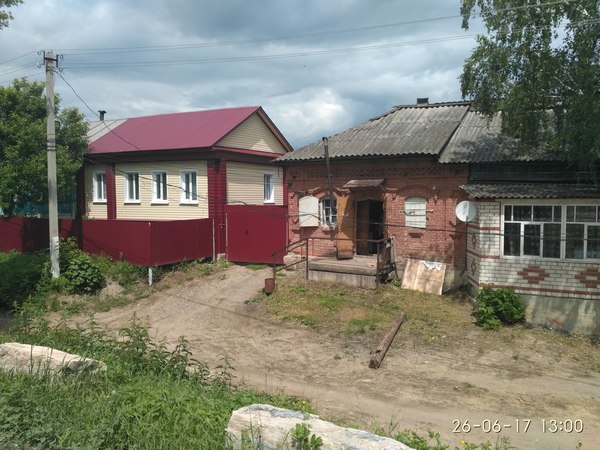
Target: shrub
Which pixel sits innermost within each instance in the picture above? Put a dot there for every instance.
(81, 273)
(19, 275)
(497, 306)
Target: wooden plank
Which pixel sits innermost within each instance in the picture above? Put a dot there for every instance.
(378, 355)
(421, 276)
(345, 235)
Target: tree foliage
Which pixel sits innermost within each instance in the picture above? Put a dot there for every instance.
(23, 157)
(539, 65)
(6, 16)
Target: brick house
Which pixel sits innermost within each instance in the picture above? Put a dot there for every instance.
(386, 183)
(537, 226)
(401, 176)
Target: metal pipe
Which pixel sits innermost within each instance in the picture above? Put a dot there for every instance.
(332, 203)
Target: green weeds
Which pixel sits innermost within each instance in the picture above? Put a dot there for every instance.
(498, 306)
(153, 395)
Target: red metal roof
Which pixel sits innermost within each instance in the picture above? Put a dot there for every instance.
(198, 129)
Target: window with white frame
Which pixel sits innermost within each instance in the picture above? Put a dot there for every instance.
(189, 186)
(269, 187)
(328, 211)
(99, 187)
(552, 231)
(159, 187)
(132, 186)
(415, 212)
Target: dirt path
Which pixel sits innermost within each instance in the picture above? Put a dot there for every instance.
(416, 389)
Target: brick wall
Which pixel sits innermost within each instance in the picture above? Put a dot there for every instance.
(527, 275)
(443, 239)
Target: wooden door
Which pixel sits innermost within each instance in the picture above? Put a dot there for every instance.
(345, 235)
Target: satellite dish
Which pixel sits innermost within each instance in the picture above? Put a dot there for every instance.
(466, 211)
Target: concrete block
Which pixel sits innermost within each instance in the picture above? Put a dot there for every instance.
(37, 360)
(269, 428)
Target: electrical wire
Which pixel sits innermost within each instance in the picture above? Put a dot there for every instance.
(111, 50)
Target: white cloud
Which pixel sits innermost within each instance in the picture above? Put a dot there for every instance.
(307, 96)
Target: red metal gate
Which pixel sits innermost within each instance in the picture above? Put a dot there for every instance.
(254, 233)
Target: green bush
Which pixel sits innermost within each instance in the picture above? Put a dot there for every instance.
(498, 306)
(19, 276)
(81, 273)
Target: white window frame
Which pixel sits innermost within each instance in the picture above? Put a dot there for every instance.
(415, 212)
(268, 188)
(132, 187)
(99, 187)
(160, 187)
(564, 222)
(328, 217)
(189, 187)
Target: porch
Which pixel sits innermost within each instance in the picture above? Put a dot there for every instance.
(365, 271)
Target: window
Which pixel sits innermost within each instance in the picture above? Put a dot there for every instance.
(582, 232)
(552, 231)
(415, 212)
(132, 187)
(328, 211)
(159, 187)
(269, 187)
(189, 187)
(99, 187)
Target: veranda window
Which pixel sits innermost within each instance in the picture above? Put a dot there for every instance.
(552, 231)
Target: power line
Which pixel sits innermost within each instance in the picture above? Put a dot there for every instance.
(299, 54)
(17, 57)
(80, 66)
(113, 50)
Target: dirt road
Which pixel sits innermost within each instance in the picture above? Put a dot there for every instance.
(445, 391)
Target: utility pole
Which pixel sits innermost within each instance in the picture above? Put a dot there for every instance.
(49, 61)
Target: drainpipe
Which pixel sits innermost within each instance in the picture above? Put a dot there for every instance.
(329, 182)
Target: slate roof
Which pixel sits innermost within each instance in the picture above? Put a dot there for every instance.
(480, 140)
(530, 190)
(452, 131)
(405, 130)
(197, 129)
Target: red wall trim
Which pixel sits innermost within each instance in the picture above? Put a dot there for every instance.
(111, 192)
(217, 198)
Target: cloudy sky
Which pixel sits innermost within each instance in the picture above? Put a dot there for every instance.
(317, 67)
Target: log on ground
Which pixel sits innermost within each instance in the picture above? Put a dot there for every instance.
(378, 355)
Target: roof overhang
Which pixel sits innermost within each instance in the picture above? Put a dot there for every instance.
(531, 190)
(363, 184)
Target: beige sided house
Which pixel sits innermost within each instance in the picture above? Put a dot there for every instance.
(192, 165)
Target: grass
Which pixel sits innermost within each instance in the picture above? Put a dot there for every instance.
(349, 311)
(153, 395)
(431, 322)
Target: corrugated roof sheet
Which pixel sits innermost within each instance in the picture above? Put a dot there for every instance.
(480, 140)
(529, 190)
(197, 129)
(405, 130)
